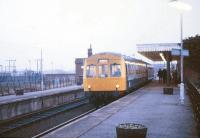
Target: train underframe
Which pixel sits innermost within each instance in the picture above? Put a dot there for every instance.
(104, 97)
(100, 98)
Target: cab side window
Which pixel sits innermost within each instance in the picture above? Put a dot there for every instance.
(91, 71)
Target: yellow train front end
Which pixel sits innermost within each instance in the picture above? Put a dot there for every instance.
(105, 75)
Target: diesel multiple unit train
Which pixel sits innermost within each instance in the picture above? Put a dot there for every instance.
(113, 75)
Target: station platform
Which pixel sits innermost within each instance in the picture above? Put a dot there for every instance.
(37, 94)
(163, 115)
(13, 106)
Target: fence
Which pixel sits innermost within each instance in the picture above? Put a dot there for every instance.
(32, 82)
(195, 99)
(193, 76)
(193, 83)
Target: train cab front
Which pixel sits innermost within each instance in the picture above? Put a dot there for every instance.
(103, 90)
(104, 80)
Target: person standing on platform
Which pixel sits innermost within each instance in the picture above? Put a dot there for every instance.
(164, 72)
(160, 75)
(174, 75)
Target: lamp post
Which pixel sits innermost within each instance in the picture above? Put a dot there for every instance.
(181, 6)
(182, 91)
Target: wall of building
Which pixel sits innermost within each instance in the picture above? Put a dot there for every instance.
(79, 70)
(79, 63)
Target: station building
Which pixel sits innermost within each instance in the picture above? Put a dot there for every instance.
(79, 62)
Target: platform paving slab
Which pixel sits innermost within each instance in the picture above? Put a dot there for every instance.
(163, 115)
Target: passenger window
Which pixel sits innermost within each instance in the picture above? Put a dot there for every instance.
(103, 71)
(91, 71)
(115, 70)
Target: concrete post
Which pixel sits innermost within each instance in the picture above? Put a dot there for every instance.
(168, 69)
(168, 89)
(168, 72)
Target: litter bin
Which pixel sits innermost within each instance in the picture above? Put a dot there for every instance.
(131, 130)
(168, 90)
(19, 92)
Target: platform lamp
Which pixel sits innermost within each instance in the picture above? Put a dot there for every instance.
(181, 7)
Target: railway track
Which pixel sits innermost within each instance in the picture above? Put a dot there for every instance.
(41, 123)
(63, 124)
(74, 119)
(7, 128)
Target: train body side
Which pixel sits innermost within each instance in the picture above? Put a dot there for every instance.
(136, 73)
(108, 76)
(132, 73)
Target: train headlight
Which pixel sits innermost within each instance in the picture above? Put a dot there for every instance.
(117, 86)
(89, 87)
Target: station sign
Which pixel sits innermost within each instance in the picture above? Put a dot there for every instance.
(177, 52)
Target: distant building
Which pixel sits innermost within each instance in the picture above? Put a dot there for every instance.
(79, 70)
(90, 51)
(79, 63)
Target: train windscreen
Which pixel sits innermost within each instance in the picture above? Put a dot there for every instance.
(91, 71)
(115, 70)
(103, 71)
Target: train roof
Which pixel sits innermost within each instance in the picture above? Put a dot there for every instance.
(125, 57)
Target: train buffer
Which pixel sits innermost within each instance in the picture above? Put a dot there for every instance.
(162, 114)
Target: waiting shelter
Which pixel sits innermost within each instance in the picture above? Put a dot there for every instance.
(159, 52)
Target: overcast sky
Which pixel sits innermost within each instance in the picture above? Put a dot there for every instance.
(65, 28)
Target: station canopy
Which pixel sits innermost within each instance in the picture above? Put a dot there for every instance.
(157, 51)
